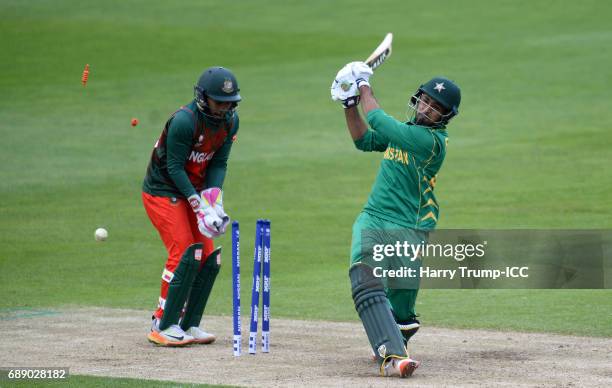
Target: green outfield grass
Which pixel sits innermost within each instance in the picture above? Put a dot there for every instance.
(529, 149)
(96, 382)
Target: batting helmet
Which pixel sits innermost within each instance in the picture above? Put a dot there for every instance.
(443, 91)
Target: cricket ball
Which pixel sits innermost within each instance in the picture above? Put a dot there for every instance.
(134, 122)
(101, 234)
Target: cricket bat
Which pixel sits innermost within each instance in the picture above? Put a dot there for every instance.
(382, 52)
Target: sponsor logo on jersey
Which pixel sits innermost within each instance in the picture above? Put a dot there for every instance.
(198, 254)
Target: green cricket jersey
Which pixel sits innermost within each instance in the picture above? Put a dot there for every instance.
(191, 154)
(413, 154)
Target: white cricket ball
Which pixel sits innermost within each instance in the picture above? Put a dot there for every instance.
(101, 234)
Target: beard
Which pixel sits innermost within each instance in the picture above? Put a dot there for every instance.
(422, 119)
(219, 114)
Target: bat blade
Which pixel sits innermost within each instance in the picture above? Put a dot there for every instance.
(382, 52)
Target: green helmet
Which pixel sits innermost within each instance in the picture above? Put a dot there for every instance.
(445, 92)
(219, 84)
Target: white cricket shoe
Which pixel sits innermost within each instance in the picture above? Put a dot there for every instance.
(172, 336)
(200, 336)
(401, 367)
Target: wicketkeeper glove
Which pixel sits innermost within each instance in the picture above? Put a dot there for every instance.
(214, 197)
(208, 207)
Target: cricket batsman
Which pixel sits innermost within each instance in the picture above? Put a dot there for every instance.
(182, 195)
(402, 198)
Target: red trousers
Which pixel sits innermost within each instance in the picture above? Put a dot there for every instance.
(178, 229)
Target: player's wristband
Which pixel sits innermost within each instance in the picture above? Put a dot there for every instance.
(195, 202)
(362, 82)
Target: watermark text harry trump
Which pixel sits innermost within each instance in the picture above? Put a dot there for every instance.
(463, 272)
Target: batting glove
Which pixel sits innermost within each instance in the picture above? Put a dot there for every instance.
(351, 102)
(362, 73)
(344, 87)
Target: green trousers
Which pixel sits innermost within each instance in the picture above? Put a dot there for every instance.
(369, 231)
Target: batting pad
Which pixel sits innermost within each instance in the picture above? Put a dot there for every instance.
(373, 309)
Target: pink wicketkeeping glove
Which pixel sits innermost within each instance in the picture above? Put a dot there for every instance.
(212, 219)
(214, 198)
(208, 221)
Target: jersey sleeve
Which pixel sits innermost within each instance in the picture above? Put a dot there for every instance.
(372, 141)
(179, 144)
(217, 168)
(413, 138)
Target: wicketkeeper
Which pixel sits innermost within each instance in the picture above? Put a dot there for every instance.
(183, 198)
(402, 199)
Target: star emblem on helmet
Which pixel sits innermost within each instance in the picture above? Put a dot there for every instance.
(228, 86)
(439, 87)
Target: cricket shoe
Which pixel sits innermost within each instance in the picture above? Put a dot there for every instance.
(401, 367)
(172, 336)
(408, 329)
(200, 336)
(372, 355)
